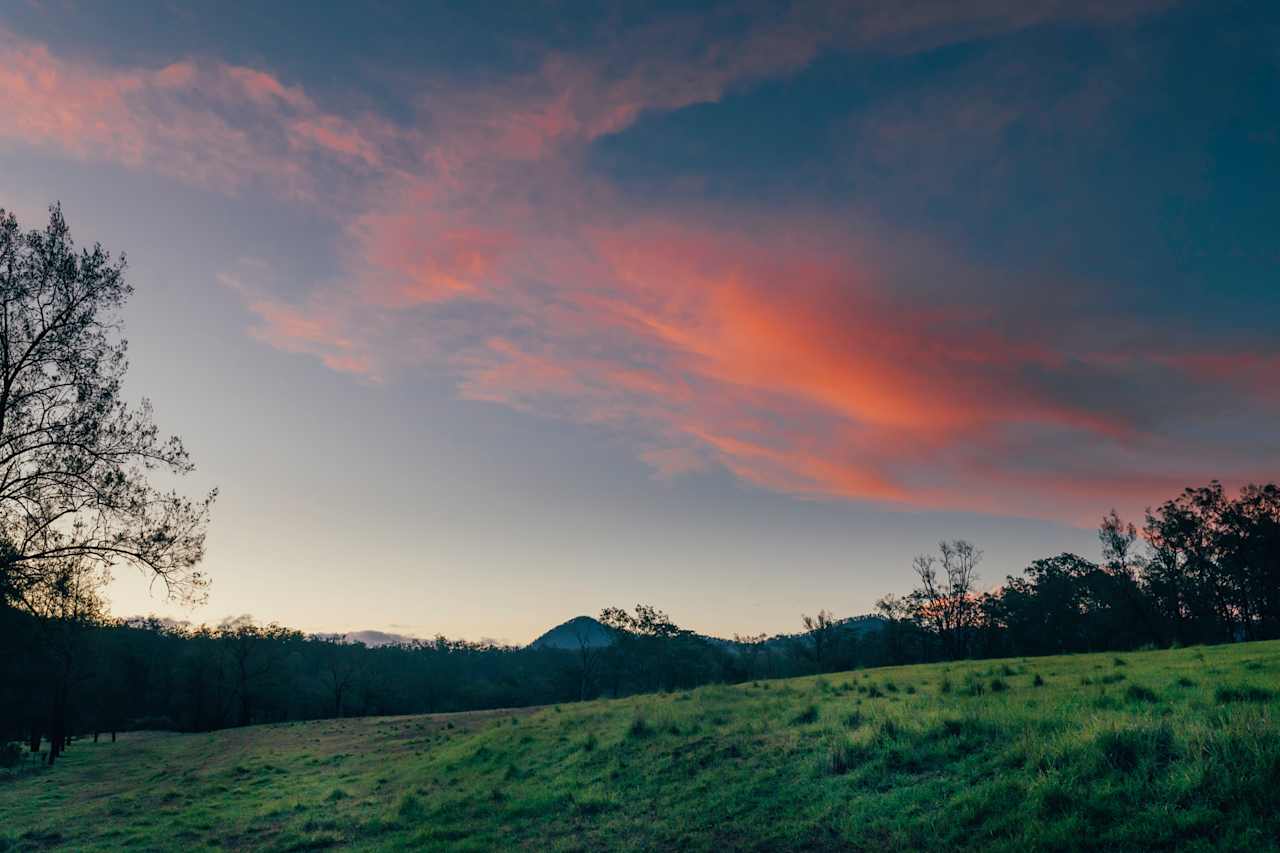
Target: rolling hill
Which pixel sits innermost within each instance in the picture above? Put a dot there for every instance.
(1145, 750)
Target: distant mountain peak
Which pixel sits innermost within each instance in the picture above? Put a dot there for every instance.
(573, 634)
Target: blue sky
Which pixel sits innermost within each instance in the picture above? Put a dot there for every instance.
(482, 320)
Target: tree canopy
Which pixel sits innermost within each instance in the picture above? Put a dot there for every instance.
(76, 459)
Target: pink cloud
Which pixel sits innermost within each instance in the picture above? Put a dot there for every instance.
(214, 125)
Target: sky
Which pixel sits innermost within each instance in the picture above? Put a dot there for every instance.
(482, 318)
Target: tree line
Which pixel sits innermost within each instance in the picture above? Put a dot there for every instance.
(1204, 568)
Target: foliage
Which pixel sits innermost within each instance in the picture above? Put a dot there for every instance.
(75, 458)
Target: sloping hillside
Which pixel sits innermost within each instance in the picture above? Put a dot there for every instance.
(1137, 751)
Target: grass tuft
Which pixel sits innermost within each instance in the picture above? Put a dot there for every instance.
(844, 755)
(1248, 693)
(639, 727)
(1138, 693)
(807, 717)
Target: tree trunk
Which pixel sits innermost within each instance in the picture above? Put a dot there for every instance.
(36, 737)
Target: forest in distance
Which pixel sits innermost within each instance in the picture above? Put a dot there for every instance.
(1203, 569)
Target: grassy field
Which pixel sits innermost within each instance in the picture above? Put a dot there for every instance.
(1167, 749)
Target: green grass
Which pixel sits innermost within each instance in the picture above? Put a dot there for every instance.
(1184, 753)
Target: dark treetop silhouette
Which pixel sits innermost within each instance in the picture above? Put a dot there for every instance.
(75, 458)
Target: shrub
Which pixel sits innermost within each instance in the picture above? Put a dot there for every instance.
(1113, 678)
(874, 692)
(1038, 681)
(1185, 682)
(998, 685)
(1119, 662)
(852, 720)
(806, 717)
(890, 687)
(945, 685)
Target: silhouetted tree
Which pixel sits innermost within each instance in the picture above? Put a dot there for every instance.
(587, 656)
(820, 631)
(252, 652)
(753, 647)
(66, 602)
(1248, 542)
(901, 636)
(341, 666)
(944, 601)
(74, 457)
(1046, 610)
